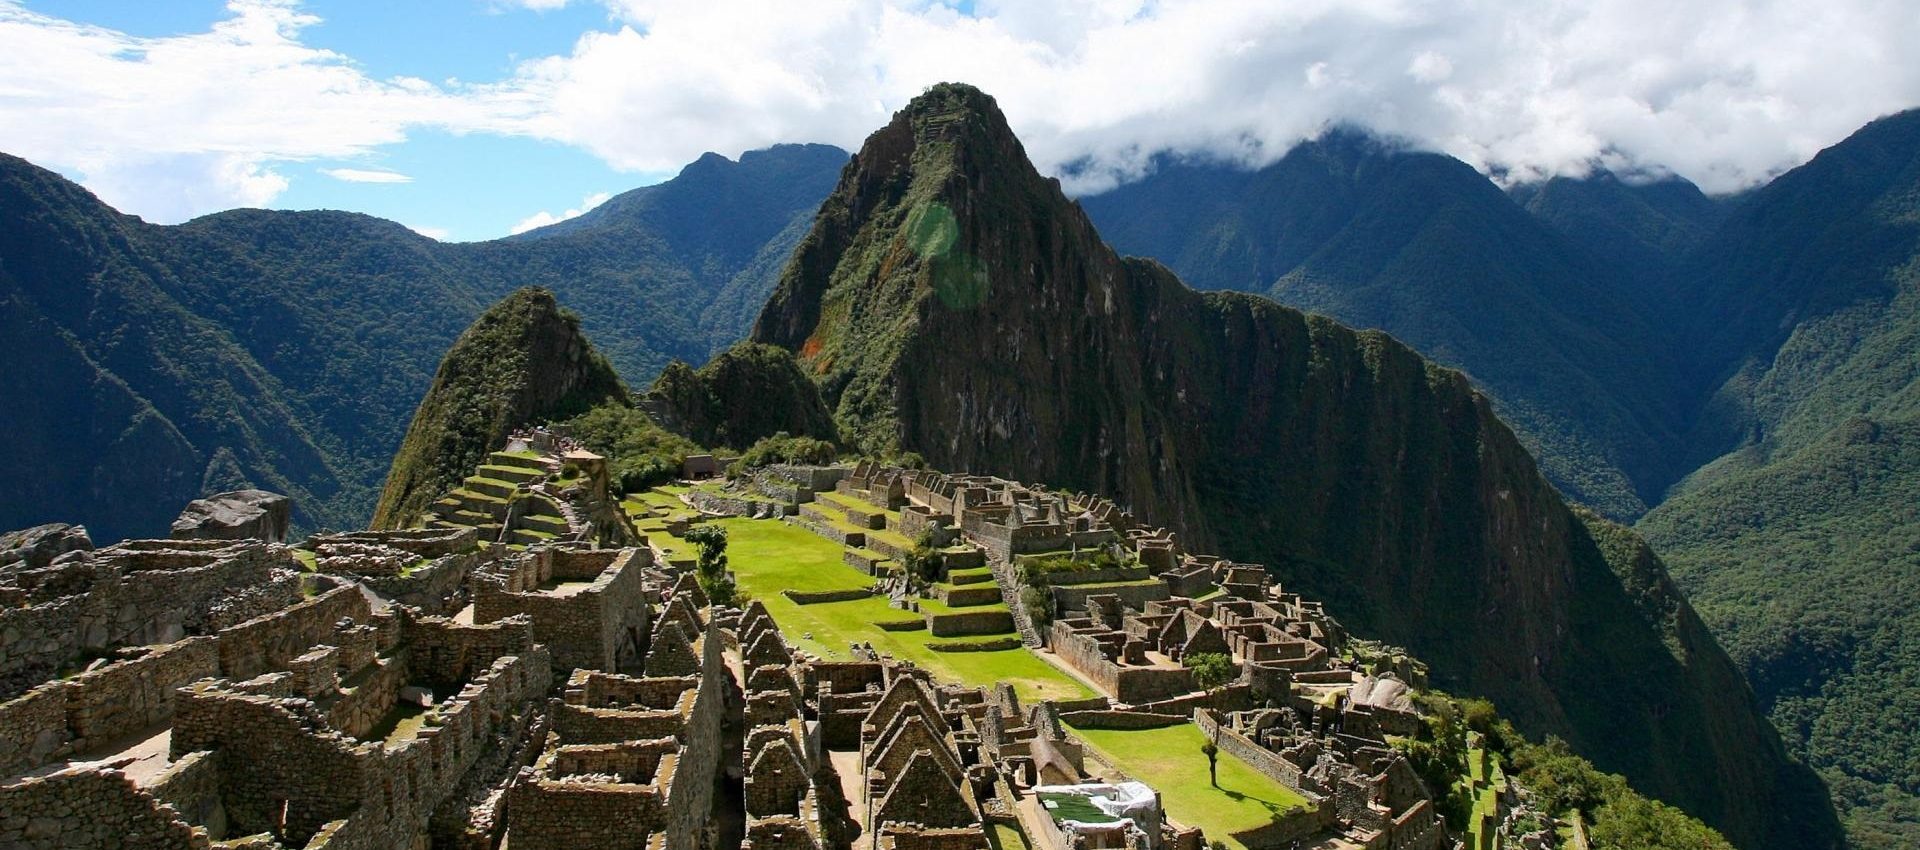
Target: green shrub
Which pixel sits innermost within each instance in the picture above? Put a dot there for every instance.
(1039, 605)
(785, 448)
(1038, 571)
(640, 453)
(922, 562)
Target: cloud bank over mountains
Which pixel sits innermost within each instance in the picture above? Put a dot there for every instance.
(1723, 92)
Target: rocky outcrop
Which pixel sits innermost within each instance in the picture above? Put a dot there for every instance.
(238, 515)
(696, 402)
(36, 547)
(952, 302)
(522, 362)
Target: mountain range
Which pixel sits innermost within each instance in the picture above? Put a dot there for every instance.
(286, 350)
(1736, 375)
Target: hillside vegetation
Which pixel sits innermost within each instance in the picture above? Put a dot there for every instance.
(286, 350)
(1765, 334)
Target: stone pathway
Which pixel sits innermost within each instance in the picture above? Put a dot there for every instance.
(847, 765)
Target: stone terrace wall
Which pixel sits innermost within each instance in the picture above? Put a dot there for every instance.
(83, 809)
(267, 643)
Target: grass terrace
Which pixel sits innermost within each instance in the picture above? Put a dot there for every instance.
(769, 556)
(1170, 759)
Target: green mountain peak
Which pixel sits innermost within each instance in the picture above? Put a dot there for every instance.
(524, 361)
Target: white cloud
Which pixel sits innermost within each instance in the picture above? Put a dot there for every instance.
(1725, 92)
(176, 126)
(439, 233)
(544, 218)
(364, 175)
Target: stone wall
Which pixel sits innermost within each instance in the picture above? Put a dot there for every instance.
(600, 627)
(422, 542)
(33, 729)
(267, 643)
(959, 623)
(448, 654)
(1130, 685)
(192, 787)
(1136, 596)
(1258, 757)
(435, 588)
(85, 809)
(126, 697)
(133, 596)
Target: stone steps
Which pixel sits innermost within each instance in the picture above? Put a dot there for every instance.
(517, 462)
(489, 486)
(513, 474)
(547, 524)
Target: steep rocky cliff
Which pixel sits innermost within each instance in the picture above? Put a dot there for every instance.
(951, 301)
(524, 361)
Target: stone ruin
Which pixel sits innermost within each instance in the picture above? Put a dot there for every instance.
(419, 689)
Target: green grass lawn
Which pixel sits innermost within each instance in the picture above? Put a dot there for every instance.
(1005, 837)
(1490, 778)
(768, 556)
(1171, 761)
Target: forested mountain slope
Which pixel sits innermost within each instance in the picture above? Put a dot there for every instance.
(1423, 247)
(288, 349)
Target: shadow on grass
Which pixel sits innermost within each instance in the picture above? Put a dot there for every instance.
(1273, 808)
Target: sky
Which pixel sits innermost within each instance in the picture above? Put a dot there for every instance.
(473, 119)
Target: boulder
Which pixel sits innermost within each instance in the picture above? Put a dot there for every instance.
(38, 546)
(238, 515)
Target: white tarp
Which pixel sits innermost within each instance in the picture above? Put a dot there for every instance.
(1124, 801)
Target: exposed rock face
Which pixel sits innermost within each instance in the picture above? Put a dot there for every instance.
(952, 302)
(36, 547)
(523, 361)
(236, 515)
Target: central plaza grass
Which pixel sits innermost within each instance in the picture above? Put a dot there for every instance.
(1170, 760)
(769, 556)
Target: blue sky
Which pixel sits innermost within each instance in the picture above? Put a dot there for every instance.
(469, 119)
(463, 186)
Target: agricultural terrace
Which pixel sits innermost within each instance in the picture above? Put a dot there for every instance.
(769, 556)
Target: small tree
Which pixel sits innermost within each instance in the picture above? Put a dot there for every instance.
(1210, 669)
(922, 561)
(1211, 749)
(711, 570)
